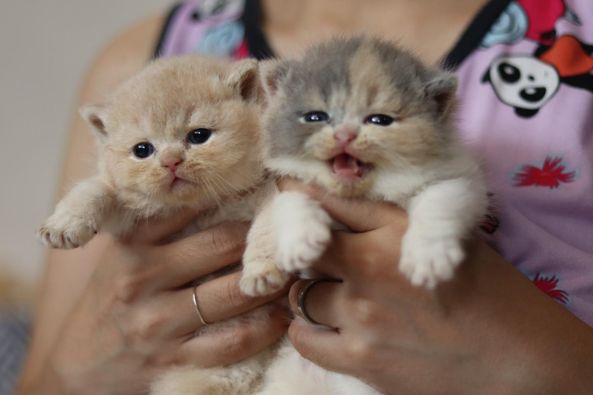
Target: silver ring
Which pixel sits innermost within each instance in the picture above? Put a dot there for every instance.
(301, 299)
(194, 298)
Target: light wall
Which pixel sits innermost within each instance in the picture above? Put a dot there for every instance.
(45, 49)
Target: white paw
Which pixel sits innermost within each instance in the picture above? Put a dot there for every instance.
(427, 260)
(61, 231)
(301, 229)
(305, 241)
(264, 282)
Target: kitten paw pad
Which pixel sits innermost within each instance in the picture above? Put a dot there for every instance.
(263, 283)
(426, 261)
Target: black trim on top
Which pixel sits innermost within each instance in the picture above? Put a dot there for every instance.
(164, 30)
(474, 33)
(256, 39)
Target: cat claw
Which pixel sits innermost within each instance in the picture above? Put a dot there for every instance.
(65, 237)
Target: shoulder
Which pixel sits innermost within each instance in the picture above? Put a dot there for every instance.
(121, 57)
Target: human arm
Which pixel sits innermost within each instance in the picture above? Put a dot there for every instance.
(489, 331)
(76, 284)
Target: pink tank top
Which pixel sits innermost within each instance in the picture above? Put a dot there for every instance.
(526, 91)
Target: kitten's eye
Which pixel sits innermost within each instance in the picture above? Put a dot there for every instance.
(199, 136)
(379, 119)
(316, 116)
(143, 150)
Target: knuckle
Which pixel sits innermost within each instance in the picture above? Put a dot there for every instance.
(297, 339)
(227, 238)
(127, 287)
(238, 342)
(233, 294)
(360, 351)
(147, 326)
(377, 263)
(365, 311)
(164, 359)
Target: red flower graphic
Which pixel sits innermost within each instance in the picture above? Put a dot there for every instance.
(548, 285)
(550, 175)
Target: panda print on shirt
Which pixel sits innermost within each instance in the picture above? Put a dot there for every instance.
(527, 82)
(523, 82)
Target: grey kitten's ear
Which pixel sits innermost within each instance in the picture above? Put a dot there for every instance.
(96, 116)
(273, 72)
(245, 78)
(442, 89)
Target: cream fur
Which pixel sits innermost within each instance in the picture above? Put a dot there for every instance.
(223, 178)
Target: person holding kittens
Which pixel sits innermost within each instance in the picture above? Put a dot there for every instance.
(487, 331)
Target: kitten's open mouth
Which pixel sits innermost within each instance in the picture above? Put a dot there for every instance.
(348, 167)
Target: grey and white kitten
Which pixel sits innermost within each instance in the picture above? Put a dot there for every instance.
(361, 118)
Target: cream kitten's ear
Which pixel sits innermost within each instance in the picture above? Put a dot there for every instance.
(96, 116)
(442, 89)
(273, 72)
(245, 77)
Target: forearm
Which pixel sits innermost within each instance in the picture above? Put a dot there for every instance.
(535, 345)
(49, 383)
(66, 275)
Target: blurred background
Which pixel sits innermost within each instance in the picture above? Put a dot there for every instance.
(46, 48)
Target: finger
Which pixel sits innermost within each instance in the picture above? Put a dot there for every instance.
(180, 262)
(357, 214)
(322, 346)
(221, 299)
(174, 314)
(235, 342)
(320, 302)
(338, 257)
(153, 230)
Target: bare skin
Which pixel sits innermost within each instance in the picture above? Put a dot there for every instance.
(488, 332)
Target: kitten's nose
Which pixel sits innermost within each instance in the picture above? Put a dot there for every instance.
(171, 162)
(344, 136)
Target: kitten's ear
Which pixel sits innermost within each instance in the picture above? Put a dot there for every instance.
(442, 89)
(273, 72)
(95, 115)
(245, 78)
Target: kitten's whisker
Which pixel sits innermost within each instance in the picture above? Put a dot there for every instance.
(225, 183)
(210, 190)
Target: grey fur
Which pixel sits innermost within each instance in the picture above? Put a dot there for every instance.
(325, 72)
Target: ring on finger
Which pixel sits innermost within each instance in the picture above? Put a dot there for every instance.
(194, 298)
(302, 299)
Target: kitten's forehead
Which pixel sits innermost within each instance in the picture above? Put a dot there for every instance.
(357, 72)
(169, 92)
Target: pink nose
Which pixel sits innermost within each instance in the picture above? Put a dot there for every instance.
(345, 136)
(171, 163)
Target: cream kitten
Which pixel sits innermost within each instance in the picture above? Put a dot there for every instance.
(183, 133)
(360, 118)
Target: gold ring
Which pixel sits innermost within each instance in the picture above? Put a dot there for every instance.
(194, 298)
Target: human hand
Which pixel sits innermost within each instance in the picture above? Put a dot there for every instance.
(488, 331)
(136, 317)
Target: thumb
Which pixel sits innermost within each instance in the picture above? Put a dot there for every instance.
(358, 215)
